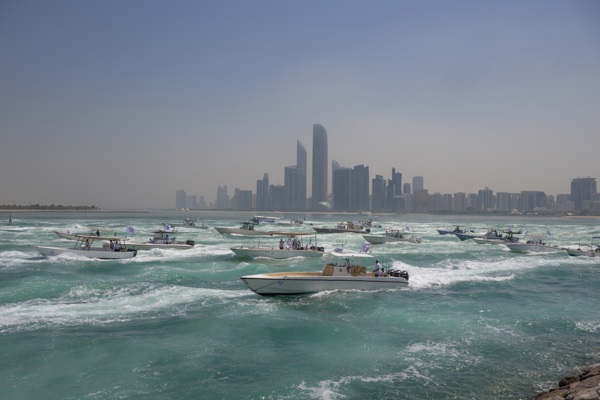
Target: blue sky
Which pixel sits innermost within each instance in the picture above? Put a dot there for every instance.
(120, 103)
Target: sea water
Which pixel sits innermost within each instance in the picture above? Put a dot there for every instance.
(476, 321)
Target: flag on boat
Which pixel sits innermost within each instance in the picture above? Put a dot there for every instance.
(408, 229)
(549, 233)
(130, 229)
(365, 247)
(167, 227)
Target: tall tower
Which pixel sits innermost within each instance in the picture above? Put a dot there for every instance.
(319, 166)
(301, 163)
(418, 184)
(582, 189)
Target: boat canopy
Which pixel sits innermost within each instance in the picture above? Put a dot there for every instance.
(344, 254)
(94, 237)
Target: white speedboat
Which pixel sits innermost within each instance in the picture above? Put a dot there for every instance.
(247, 229)
(508, 237)
(113, 248)
(533, 245)
(189, 223)
(161, 240)
(262, 219)
(343, 227)
(594, 250)
(293, 247)
(392, 235)
(335, 276)
(491, 234)
(457, 229)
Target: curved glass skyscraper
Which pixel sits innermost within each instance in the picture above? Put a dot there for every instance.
(319, 166)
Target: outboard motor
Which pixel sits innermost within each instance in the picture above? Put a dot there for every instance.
(190, 242)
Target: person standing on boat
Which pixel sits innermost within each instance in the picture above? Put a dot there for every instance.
(280, 244)
(348, 267)
(377, 269)
(10, 219)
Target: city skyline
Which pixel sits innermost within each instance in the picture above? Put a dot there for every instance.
(118, 105)
(353, 189)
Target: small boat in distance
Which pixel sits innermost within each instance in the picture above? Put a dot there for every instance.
(161, 240)
(247, 229)
(189, 223)
(457, 229)
(262, 219)
(346, 271)
(114, 250)
(594, 250)
(534, 244)
(494, 238)
(393, 235)
(343, 227)
(491, 234)
(292, 247)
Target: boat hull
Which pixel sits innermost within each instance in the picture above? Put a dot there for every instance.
(489, 241)
(583, 253)
(299, 283)
(150, 246)
(94, 252)
(466, 236)
(374, 239)
(275, 253)
(244, 232)
(532, 248)
(339, 230)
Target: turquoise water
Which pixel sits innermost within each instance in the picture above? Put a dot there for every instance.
(476, 321)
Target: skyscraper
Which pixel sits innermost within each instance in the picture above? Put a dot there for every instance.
(180, 198)
(262, 193)
(341, 189)
(295, 181)
(319, 166)
(359, 189)
(417, 184)
(301, 163)
(379, 194)
(582, 189)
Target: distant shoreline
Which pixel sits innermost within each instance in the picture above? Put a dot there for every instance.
(105, 211)
(72, 211)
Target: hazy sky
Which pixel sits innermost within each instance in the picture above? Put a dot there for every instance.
(119, 103)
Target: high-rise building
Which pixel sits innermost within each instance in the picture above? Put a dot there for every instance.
(301, 163)
(259, 195)
(319, 166)
(485, 200)
(341, 189)
(532, 200)
(334, 167)
(582, 190)
(379, 190)
(359, 189)
(222, 202)
(266, 198)
(418, 184)
(180, 198)
(295, 181)
(395, 201)
(460, 201)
